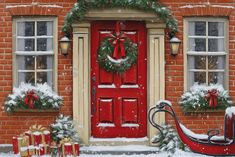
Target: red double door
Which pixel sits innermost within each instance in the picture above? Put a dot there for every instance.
(119, 101)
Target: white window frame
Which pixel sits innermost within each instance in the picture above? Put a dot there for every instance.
(37, 53)
(186, 53)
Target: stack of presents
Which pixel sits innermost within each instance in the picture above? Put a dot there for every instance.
(37, 141)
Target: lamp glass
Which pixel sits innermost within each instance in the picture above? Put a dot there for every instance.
(174, 45)
(64, 45)
(175, 48)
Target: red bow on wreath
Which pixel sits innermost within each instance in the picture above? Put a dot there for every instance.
(30, 98)
(212, 97)
(118, 41)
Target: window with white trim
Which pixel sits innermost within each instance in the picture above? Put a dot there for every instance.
(34, 51)
(206, 51)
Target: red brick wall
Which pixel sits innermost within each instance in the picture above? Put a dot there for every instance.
(19, 122)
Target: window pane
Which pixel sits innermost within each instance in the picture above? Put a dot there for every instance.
(197, 62)
(216, 62)
(25, 45)
(197, 28)
(216, 77)
(27, 77)
(44, 44)
(44, 28)
(43, 77)
(197, 44)
(25, 28)
(215, 28)
(44, 62)
(200, 77)
(26, 62)
(216, 45)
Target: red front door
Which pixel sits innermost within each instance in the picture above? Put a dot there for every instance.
(119, 101)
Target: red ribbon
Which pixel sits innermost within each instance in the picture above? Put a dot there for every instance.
(118, 42)
(30, 98)
(212, 97)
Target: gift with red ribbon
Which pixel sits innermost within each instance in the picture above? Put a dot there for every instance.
(118, 39)
(30, 98)
(212, 97)
(69, 148)
(15, 144)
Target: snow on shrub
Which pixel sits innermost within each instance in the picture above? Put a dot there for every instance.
(28, 96)
(170, 141)
(199, 98)
(64, 127)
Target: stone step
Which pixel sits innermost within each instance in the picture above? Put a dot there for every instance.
(118, 150)
(5, 148)
(113, 150)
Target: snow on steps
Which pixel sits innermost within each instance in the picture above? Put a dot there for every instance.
(118, 141)
(118, 150)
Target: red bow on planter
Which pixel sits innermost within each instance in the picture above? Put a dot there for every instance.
(212, 97)
(30, 98)
(118, 41)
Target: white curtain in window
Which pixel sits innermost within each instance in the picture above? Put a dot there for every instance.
(50, 74)
(49, 28)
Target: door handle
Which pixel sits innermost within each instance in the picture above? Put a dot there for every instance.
(93, 79)
(94, 92)
(94, 99)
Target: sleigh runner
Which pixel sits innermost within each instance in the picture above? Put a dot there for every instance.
(209, 144)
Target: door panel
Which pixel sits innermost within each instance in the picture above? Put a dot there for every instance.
(130, 77)
(130, 111)
(105, 78)
(106, 111)
(119, 102)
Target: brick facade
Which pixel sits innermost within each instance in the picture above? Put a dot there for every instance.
(19, 122)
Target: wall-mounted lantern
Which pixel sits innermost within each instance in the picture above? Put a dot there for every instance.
(65, 45)
(174, 45)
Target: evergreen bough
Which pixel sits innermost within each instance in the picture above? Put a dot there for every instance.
(64, 128)
(195, 99)
(80, 8)
(47, 98)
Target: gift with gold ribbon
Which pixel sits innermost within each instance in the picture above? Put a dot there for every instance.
(31, 150)
(38, 134)
(24, 151)
(18, 142)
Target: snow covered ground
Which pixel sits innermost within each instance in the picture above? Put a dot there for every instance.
(178, 153)
(107, 149)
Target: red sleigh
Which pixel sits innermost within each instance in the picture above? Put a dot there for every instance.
(209, 144)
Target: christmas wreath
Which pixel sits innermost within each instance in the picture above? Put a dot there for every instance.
(117, 53)
(203, 97)
(27, 96)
